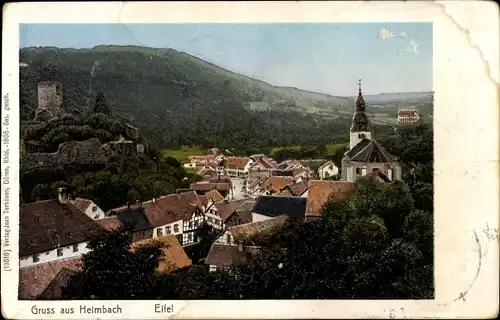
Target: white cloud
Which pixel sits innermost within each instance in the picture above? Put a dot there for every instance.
(385, 34)
(412, 45)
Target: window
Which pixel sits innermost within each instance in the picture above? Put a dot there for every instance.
(59, 252)
(96, 216)
(358, 171)
(168, 230)
(375, 170)
(176, 227)
(36, 258)
(228, 239)
(75, 248)
(159, 232)
(94, 208)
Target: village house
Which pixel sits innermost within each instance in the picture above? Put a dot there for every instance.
(408, 116)
(53, 230)
(228, 213)
(45, 280)
(240, 243)
(88, 207)
(274, 185)
(365, 154)
(296, 189)
(237, 166)
(214, 196)
(173, 257)
(268, 207)
(180, 215)
(327, 170)
(132, 216)
(320, 191)
(202, 187)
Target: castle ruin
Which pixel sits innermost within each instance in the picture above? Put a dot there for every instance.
(50, 100)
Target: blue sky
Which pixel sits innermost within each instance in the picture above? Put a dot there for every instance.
(322, 57)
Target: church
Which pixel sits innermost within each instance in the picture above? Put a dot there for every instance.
(365, 155)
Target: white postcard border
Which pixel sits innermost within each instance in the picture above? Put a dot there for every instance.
(466, 74)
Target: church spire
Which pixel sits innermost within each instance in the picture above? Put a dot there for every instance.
(360, 119)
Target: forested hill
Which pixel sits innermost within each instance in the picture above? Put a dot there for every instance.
(177, 99)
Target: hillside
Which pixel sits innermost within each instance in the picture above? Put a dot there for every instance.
(177, 99)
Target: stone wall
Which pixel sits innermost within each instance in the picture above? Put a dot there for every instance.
(50, 100)
(78, 152)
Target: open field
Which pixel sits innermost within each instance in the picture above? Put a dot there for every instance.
(182, 153)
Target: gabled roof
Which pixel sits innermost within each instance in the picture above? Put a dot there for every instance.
(296, 189)
(326, 164)
(226, 255)
(134, 216)
(274, 206)
(369, 151)
(54, 290)
(206, 186)
(109, 223)
(34, 280)
(277, 183)
(173, 258)
(214, 195)
(320, 191)
(81, 204)
(248, 231)
(225, 209)
(47, 225)
(171, 208)
(236, 162)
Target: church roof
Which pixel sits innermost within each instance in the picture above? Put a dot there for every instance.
(369, 151)
(360, 119)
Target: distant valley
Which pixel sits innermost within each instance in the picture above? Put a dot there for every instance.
(178, 99)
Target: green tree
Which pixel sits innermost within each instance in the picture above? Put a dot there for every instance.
(101, 105)
(112, 271)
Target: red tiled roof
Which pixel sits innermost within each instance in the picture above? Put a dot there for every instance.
(249, 230)
(110, 223)
(201, 186)
(236, 162)
(225, 209)
(171, 208)
(214, 195)
(277, 183)
(296, 189)
(408, 112)
(226, 255)
(34, 280)
(81, 204)
(46, 225)
(54, 290)
(173, 258)
(320, 191)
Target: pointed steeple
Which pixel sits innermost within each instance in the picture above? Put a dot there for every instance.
(360, 121)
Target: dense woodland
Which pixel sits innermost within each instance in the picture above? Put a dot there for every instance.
(177, 99)
(118, 182)
(375, 244)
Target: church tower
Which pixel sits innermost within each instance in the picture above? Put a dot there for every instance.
(360, 128)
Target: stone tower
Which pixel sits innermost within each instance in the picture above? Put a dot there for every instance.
(50, 100)
(360, 128)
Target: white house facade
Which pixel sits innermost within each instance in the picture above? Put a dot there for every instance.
(61, 253)
(328, 169)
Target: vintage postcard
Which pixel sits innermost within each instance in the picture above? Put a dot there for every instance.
(250, 160)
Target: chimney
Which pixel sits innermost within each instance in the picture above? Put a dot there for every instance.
(154, 200)
(240, 247)
(61, 195)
